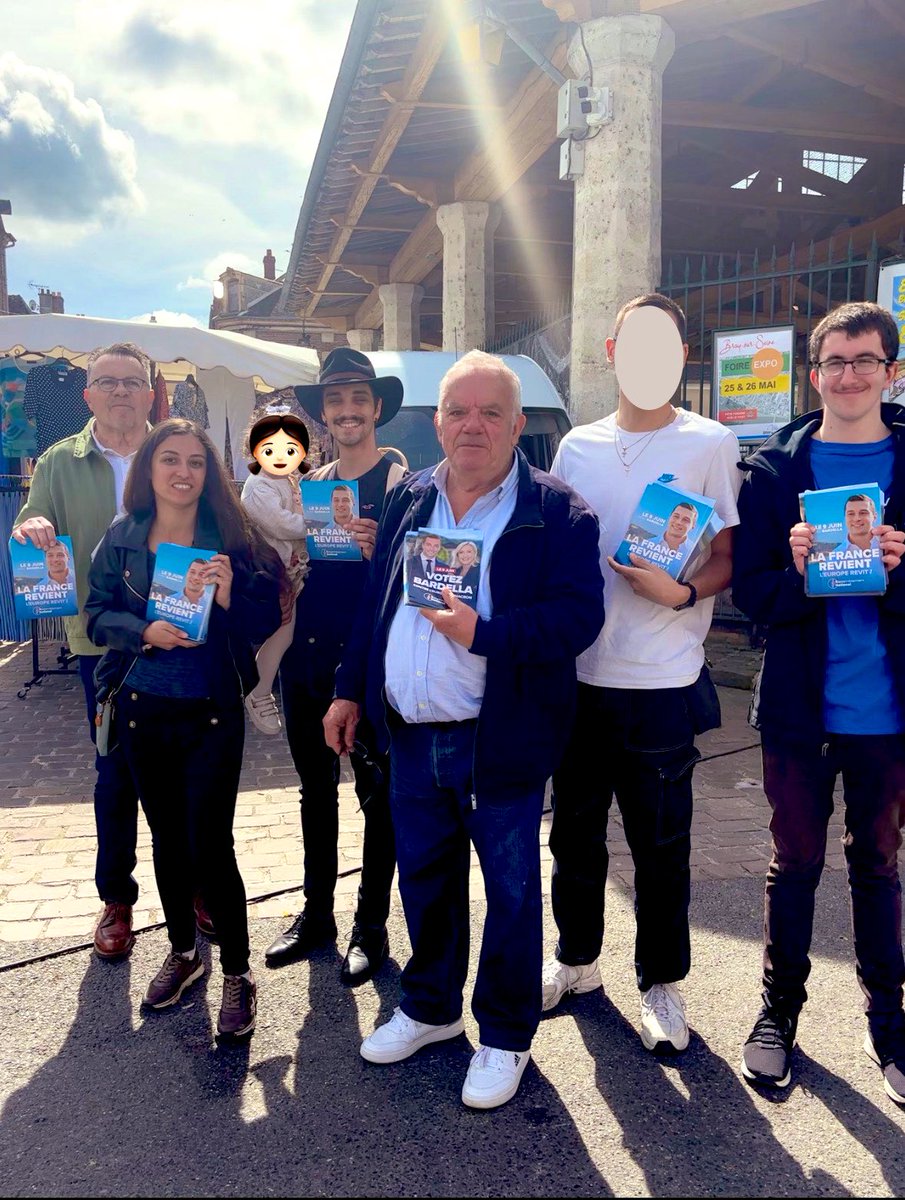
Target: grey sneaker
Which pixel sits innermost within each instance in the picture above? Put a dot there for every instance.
(263, 712)
(172, 979)
(884, 1043)
(238, 1012)
(559, 979)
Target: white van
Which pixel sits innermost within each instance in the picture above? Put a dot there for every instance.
(412, 429)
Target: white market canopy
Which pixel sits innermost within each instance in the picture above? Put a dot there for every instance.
(274, 364)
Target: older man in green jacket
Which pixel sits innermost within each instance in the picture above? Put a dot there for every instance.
(76, 490)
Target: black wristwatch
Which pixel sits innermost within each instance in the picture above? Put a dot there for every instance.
(691, 601)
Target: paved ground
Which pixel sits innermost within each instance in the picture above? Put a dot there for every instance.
(100, 1099)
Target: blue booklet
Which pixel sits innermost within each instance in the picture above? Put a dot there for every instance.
(329, 505)
(436, 559)
(669, 528)
(178, 591)
(43, 580)
(845, 559)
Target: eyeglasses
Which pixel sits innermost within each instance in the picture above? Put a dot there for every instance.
(109, 383)
(864, 364)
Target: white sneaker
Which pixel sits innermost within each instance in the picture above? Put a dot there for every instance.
(493, 1077)
(663, 1024)
(401, 1036)
(559, 979)
(263, 712)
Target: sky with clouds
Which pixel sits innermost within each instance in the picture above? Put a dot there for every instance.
(147, 144)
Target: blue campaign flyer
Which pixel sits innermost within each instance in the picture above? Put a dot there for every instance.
(436, 559)
(43, 580)
(846, 559)
(178, 591)
(329, 505)
(668, 528)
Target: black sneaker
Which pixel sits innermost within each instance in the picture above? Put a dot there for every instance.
(172, 979)
(306, 933)
(239, 1009)
(767, 1058)
(884, 1042)
(368, 948)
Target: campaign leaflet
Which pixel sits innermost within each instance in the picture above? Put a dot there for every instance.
(43, 580)
(435, 559)
(845, 560)
(178, 594)
(329, 505)
(670, 528)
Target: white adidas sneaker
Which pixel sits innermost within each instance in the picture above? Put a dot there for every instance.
(494, 1076)
(401, 1036)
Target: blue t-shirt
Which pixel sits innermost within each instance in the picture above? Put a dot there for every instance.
(859, 695)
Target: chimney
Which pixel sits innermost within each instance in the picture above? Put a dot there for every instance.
(56, 302)
(44, 300)
(270, 265)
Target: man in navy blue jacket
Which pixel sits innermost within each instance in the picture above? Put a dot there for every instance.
(831, 696)
(475, 707)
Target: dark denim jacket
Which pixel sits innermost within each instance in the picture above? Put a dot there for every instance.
(118, 600)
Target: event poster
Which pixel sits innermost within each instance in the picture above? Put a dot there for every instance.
(753, 379)
(891, 295)
(329, 506)
(668, 528)
(178, 591)
(845, 559)
(437, 559)
(43, 580)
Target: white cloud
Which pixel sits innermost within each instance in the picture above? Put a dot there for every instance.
(61, 160)
(215, 267)
(165, 316)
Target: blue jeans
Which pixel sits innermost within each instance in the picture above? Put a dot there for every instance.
(115, 810)
(435, 820)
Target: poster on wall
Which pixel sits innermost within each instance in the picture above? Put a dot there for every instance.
(891, 295)
(753, 380)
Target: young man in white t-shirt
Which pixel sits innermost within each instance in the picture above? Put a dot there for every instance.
(644, 693)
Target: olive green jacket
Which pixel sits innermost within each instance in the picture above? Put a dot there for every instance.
(73, 488)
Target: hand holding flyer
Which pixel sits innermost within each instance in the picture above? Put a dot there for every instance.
(43, 580)
(669, 529)
(331, 507)
(845, 555)
(438, 559)
(180, 593)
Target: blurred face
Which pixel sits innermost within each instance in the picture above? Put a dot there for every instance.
(850, 397)
(430, 547)
(679, 524)
(860, 518)
(119, 395)
(342, 506)
(477, 425)
(57, 561)
(194, 580)
(279, 454)
(178, 468)
(350, 413)
(466, 553)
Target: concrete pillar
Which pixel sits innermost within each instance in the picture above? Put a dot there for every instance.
(468, 227)
(364, 340)
(401, 315)
(617, 200)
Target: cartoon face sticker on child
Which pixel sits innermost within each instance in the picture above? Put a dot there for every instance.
(278, 443)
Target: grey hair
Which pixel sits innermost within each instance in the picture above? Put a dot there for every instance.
(121, 350)
(479, 360)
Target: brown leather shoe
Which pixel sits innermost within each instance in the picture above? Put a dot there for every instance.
(113, 936)
(203, 920)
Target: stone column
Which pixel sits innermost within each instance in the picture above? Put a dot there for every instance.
(363, 339)
(468, 227)
(616, 244)
(401, 315)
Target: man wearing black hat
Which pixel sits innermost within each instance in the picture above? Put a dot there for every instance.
(351, 402)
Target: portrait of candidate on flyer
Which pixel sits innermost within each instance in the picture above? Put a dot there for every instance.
(465, 563)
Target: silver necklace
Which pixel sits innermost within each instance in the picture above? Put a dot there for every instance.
(640, 443)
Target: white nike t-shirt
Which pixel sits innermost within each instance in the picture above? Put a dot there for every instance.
(643, 644)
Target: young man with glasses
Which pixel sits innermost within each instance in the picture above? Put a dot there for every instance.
(831, 695)
(77, 489)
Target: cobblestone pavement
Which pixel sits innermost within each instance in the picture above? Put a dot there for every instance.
(47, 827)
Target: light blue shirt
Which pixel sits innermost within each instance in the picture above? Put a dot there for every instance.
(429, 677)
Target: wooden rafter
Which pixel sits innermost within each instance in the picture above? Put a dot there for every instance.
(794, 122)
(891, 12)
(748, 198)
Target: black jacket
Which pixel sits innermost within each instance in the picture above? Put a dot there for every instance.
(118, 601)
(788, 696)
(547, 608)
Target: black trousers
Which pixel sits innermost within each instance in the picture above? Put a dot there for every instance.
(639, 746)
(799, 782)
(318, 771)
(185, 757)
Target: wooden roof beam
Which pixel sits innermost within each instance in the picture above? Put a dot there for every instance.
(891, 12)
(429, 192)
(791, 201)
(792, 122)
(424, 59)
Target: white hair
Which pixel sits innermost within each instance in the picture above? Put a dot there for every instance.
(478, 360)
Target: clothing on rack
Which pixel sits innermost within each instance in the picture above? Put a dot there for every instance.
(189, 402)
(18, 434)
(55, 401)
(230, 405)
(160, 408)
